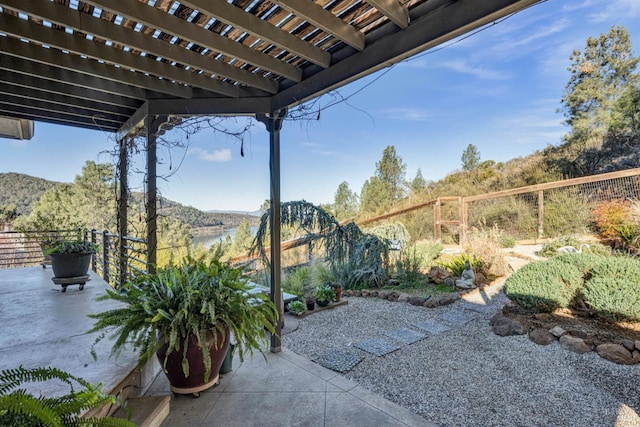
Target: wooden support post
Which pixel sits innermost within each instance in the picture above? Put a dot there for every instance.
(153, 127)
(540, 214)
(123, 203)
(464, 220)
(273, 123)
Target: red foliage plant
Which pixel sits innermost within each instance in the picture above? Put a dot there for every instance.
(610, 216)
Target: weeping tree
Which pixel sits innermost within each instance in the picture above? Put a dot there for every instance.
(357, 258)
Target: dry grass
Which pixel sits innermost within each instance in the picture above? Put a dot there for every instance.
(485, 244)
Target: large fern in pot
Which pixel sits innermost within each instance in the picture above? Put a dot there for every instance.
(201, 301)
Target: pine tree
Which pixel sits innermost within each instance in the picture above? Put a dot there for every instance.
(470, 158)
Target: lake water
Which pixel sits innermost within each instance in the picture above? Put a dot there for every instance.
(211, 239)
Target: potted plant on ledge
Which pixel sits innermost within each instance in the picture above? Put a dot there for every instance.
(324, 295)
(70, 261)
(185, 315)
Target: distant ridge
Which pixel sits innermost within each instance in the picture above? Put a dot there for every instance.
(252, 213)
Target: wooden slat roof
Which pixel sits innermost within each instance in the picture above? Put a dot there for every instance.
(106, 64)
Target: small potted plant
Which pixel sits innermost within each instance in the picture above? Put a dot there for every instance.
(70, 258)
(297, 307)
(310, 301)
(324, 295)
(185, 315)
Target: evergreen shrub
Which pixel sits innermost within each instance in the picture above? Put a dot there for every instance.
(613, 299)
(618, 268)
(544, 285)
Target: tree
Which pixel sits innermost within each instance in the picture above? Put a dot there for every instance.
(242, 239)
(418, 183)
(391, 170)
(600, 75)
(388, 184)
(345, 202)
(470, 158)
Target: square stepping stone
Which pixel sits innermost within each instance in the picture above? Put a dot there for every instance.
(457, 317)
(338, 360)
(405, 336)
(377, 346)
(432, 326)
(478, 308)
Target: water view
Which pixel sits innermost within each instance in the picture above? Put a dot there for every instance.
(211, 239)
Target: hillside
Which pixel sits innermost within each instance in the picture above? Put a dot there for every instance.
(22, 190)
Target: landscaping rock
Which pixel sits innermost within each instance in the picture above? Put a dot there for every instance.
(364, 293)
(431, 303)
(404, 297)
(416, 300)
(575, 344)
(394, 282)
(383, 294)
(636, 356)
(356, 293)
(495, 318)
(438, 274)
(479, 280)
(448, 299)
(615, 353)
(541, 336)
(578, 333)
(629, 345)
(373, 293)
(557, 331)
(544, 317)
(505, 326)
(638, 345)
(393, 296)
(347, 293)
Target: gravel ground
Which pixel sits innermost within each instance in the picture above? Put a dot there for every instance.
(468, 376)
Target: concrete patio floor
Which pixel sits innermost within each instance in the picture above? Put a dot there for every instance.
(42, 326)
(284, 390)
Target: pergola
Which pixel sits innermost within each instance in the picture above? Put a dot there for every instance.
(129, 66)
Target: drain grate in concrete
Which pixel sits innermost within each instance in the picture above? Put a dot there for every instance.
(376, 346)
(405, 336)
(338, 360)
(478, 308)
(457, 317)
(432, 326)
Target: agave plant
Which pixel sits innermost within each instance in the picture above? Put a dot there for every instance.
(22, 409)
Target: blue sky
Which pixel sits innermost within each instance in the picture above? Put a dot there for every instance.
(498, 89)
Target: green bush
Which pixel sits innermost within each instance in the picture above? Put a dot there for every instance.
(613, 299)
(618, 268)
(544, 285)
(455, 263)
(566, 211)
(550, 249)
(298, 282)
(584, 262)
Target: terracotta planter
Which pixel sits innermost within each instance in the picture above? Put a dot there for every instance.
(195, 382)
(70, 265)
(338, 291)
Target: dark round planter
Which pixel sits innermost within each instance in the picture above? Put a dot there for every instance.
(311, 305)
(322, 303)
(70, 265)
(195, 382)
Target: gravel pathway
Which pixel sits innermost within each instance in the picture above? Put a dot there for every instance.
(467, 375)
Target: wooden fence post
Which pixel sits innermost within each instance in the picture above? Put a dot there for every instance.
(540, 214)
(464, 220)
(437, 230)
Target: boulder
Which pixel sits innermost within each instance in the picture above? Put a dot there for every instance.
(347, 293)
(393, 296)
(383, 294)
(629, 345)
(615, 353)
(356, 293)
(431, 303)
(373, 293)
(541, 336)
(575, 344)
(364, 293)
(448, 299)
(505, 326)
(636, 356)
(416, 300)
(637, 344)
(394, 282)
(557, 331)
(438, 274)
(404, 297)
(479, 280)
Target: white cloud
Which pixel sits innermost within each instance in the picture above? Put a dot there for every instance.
(615, 10)
(408, 114)
(218, 156)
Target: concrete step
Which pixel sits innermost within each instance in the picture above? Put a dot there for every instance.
(146, 411)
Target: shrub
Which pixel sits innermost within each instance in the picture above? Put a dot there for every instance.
(566, 212)
(427, 251)
(484, 244)
(297, 282)
(618, 268)
(584, 262)
(544, 285)
(609, 216)
(550, 249)
(297, 307)
(613, 299)
(455, 263)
